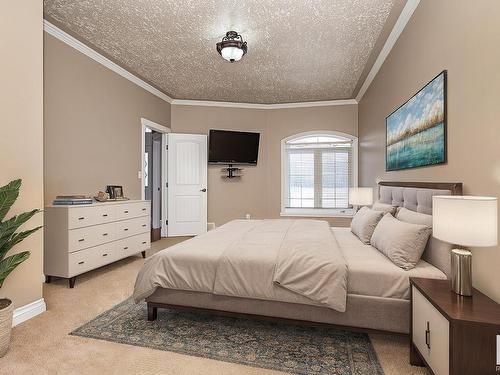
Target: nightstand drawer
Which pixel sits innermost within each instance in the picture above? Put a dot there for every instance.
(431, 333)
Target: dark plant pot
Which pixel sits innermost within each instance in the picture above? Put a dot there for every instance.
(6, 311)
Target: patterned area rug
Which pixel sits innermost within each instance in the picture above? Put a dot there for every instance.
(280, 346)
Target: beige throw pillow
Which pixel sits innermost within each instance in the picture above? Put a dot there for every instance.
(436, 252)
(384, 207)
(403, 243)
(364, 222)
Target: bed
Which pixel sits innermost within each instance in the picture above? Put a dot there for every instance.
(295, 269)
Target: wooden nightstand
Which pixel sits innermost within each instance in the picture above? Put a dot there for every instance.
(451, 334)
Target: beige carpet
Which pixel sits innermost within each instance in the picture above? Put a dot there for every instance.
(42, 345)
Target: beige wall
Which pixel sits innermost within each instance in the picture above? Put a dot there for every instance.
(92, 128)
(462, 37)
(21, 135)
(258, 192)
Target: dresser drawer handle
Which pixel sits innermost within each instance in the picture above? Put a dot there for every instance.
(428, 336)
(125, 248)
(125, 212)
(104, 234)
(81, 240)
(104, 215)
(144, 242)
(125, 229)
(81, 262)
(144, 209)
(105, 254)
(143, 225)
(81, 218)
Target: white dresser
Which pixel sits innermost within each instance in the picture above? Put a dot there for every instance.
(81, 238)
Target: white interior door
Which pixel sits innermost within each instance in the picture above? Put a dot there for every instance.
(187, 184)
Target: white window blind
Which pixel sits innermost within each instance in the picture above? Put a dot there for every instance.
(318, 172)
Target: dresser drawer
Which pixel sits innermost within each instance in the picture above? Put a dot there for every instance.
(88, 259)
(132, 210)
(79, 217)
(127, 228)
(431, 333)
(83, 238)
(133, 245)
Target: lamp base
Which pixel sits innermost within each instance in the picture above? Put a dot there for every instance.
(461, 272)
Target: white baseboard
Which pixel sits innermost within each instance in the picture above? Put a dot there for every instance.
(23, 313)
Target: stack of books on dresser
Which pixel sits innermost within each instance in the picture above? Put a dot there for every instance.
(68, 200)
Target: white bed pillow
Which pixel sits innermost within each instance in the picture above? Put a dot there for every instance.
(403, 243)
(384, 207)
(436, 252)
(364, 222)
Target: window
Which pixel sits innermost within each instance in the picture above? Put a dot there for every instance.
(317, 170)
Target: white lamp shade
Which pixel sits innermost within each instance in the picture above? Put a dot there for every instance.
(232, 53)
(465, 220)
(361, 196)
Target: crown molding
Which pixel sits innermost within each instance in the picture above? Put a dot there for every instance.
(398, 28)
(207, 103)
(96, 56)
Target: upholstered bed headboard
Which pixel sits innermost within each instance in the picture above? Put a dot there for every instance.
(417, 196)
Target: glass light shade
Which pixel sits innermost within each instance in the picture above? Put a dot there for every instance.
(232, 53)
(465, 220)
(361, 196)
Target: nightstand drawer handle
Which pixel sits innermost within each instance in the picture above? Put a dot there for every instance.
(81, 218)
(125, 212)
(144, 209)
(143, 225)
(105, 254)
(104, 215)
(81, 262)
(125, 248)
(144, 242)
(104, 234)
(428, 336)
(125, 229)
(81, 240)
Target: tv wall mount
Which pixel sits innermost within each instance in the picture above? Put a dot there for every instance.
(231, 172)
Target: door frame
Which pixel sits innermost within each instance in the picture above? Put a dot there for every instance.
(145, 123)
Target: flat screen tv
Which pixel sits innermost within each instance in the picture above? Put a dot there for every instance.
(231, 147)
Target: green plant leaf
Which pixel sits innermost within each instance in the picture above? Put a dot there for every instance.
(8, 264)
(14, 240)
(8, 227)
(8, 195)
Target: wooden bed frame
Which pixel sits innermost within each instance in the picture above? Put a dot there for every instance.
(152, 306)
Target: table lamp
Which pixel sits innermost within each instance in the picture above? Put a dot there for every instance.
(361, 196)
(464, 221)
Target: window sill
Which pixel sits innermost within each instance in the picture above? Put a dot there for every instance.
(347, 213)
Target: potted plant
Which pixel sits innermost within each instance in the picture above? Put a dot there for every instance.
(9, 238)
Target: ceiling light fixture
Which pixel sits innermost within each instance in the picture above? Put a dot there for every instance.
(232, 47)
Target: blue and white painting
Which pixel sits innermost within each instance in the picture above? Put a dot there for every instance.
(416, 131)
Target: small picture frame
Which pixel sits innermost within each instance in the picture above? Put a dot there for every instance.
(115, 191)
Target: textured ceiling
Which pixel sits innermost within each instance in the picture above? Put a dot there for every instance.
(297, 50)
